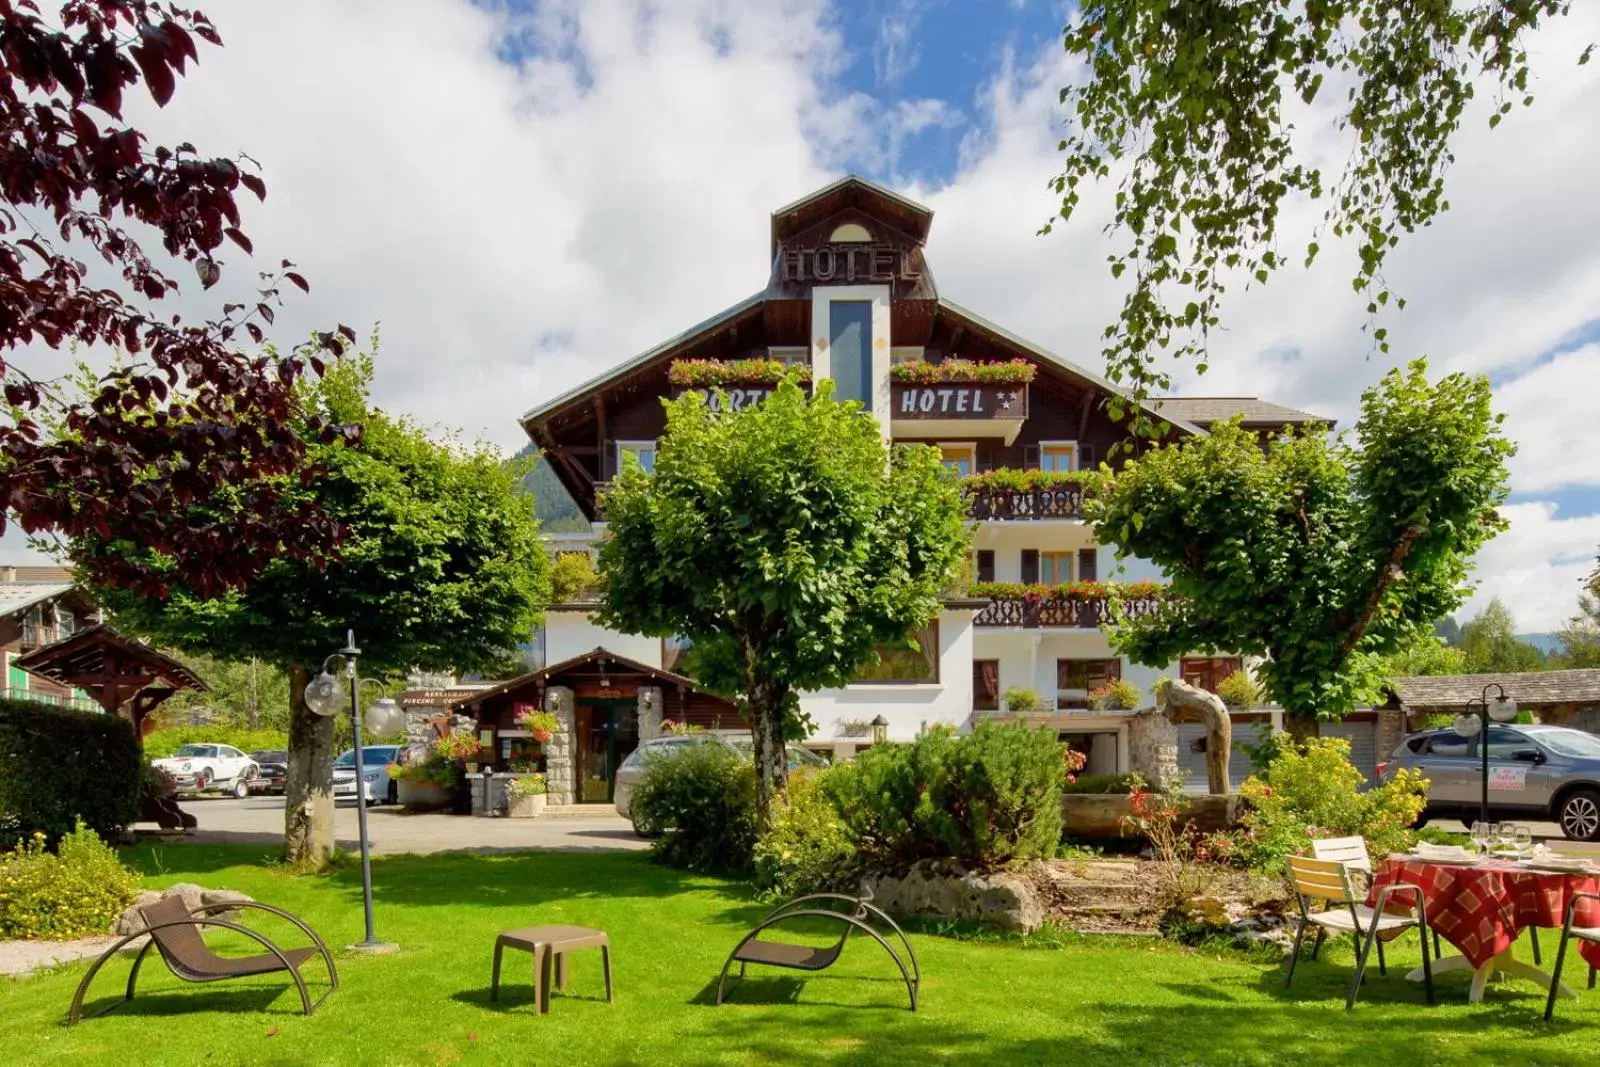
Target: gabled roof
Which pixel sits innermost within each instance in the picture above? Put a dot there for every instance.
(1531, 688)
(1205, 410)
(622, 664)
(85, 654)
(850, 191)
(698, 329)
(20, 596)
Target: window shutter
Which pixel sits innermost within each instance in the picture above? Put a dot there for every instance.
(1030, 457)
(985, 564)
(1087, 568)
(1085, 456)
(1030, 565)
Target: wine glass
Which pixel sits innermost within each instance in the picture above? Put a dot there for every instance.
(1524, 838)
(1480, 835)
(1505, 834)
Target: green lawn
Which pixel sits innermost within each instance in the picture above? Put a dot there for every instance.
(1088, 1001)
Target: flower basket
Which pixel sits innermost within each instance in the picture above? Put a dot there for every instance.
(541, 725)
(540, 736)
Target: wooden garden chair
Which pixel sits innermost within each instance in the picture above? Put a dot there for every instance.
(175, 932)
(1343, 912)
(1352, 852)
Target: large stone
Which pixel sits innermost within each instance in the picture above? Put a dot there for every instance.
(193, 895)
(1153, 748)
(1001, 900)
(131, 921)
(210, 897)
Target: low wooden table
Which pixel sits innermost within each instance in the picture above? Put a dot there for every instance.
(547, 943)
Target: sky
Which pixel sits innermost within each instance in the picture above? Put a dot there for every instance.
(525, 194)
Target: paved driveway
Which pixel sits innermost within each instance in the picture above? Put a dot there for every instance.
(259, 821)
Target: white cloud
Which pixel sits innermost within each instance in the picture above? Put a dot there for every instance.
(1550, 412)
(1528, 564)
(894, 53)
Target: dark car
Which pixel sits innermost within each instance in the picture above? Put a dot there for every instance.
(272, 770)
(1535, 773)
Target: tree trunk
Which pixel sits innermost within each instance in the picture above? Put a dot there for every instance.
(766, 700)
(1300, 725)
(308, 792)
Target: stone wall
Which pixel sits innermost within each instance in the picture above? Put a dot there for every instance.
(420, 732)
(561, 771)
(1389, 732)
(1153, 748)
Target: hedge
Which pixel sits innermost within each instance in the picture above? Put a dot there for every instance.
(160, 744)
(58, 765)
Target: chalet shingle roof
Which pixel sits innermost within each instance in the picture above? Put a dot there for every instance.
(20, 596)
(1527, 688)
(1204, 410)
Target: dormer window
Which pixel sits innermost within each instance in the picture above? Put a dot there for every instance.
(849, 233)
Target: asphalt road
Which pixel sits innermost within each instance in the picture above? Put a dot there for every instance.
(258, 820)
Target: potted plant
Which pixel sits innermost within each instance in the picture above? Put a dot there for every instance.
(426, 784)
(541, 725)
(525, 796)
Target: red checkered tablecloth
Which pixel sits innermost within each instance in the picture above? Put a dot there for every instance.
(1482, 908)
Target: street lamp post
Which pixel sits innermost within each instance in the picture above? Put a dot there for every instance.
(323, 697)
(1475, 720)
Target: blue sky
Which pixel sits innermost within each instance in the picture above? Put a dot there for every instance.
(526, 194)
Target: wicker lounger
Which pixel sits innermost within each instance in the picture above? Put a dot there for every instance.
(175, 932)
(858, 916)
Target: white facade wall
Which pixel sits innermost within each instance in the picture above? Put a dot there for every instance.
(573, 633)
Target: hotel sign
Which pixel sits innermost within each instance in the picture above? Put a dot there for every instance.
(953, 400)
(847, 262)
(728, 397)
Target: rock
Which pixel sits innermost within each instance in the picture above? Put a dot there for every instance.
(193, 895)
(1002, 900)
(224, 896)
(130, 921)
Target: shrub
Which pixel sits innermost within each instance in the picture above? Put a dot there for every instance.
(1019, 700)
(572, 573)
(1103, 783)
(808, 849)
(460, 747)
(1015, 371)
(77, 891)
(59, 765)
(702, 801)
(988, 798)
(1118, 695)
(1312, 790)
(162, 743)
(1239, 690)
(532, 785)
(1181, 880)
(427, 765)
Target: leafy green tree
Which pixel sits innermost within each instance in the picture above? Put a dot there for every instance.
(1196, 107)
(1580, 637)
(787, 541)
(1311, 551)
(251, 693)
(1424, 655)
(439, 568)
(1489, 643)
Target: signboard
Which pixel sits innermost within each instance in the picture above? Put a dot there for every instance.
(847, 262)
(1510, 779)
(960, 401)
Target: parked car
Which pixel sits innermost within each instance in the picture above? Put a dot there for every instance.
(378, 787)
(272, 771)
(198, 768)
(633, 768)
(1535, 773)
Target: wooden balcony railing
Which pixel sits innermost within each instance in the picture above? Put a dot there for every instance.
(1041, 606)
(1061, 502)
(37, 634)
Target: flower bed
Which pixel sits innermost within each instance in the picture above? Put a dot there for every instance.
(1016, 371)
(709, 373)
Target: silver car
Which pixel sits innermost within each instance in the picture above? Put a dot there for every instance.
(1535, 773)
(633, 768)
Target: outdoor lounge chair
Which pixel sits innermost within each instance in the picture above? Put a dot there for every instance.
(1343, 912)
(856, 914)
(175, 932)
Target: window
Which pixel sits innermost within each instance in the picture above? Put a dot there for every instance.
(1076, 678)
(986, 685)
(1503, 742)
(1449, 745)
(1565, 742)
(1207, 673)
(850, 342)
(985, 565)
(913, 658)
(963, 459)
(643, 451)
(1055, 568)
(1058, 457)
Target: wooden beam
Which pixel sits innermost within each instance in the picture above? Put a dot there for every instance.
(1083, 415)
(600, 435)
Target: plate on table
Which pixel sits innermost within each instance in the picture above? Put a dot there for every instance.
(1451, 854)
(1558, 865)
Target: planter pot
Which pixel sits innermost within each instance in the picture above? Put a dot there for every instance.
(472, 766)
(541, 736)
(423, 796)
(1100, 815)
(526, 807)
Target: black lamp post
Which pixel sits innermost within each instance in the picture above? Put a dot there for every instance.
(323, 697)
(1476, 720)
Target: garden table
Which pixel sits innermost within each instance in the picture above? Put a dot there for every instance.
(1481, 908)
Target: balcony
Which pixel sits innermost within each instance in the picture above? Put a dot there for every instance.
(1016, 495)
(1081, 605)
(39, 634)
(959, 398)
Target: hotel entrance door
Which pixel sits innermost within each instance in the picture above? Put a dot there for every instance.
(608, 730)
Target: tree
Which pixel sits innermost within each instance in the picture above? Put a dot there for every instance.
(1489, 643)
(1424, 655)
(251, 693)
(1192, 104)
(1316, 554)
(1580, 637)
(440, 568)
(1448, 631)
(216, 417)
(787, 541)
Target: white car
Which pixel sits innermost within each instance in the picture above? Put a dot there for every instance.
(379, 786)
(198, 768)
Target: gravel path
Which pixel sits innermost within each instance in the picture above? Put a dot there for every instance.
(21, 957)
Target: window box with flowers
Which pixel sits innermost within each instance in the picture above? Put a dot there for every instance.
(525, 796)
(541, 725)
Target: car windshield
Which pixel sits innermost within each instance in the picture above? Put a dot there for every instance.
(270, 756)
(192, 750)
(1574, 743)
(372, 754)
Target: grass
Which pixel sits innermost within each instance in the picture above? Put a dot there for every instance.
(1082, 1000)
